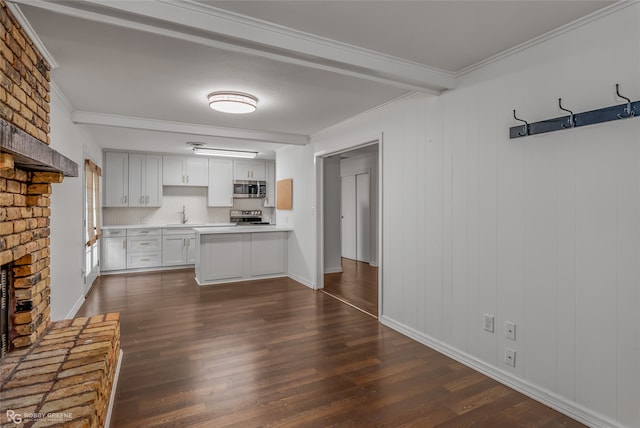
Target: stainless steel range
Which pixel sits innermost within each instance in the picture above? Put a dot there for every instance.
(246, 217)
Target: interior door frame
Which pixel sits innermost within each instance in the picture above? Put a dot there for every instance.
(319, 164)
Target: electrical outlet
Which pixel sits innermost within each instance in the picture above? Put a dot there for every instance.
(510, 330)
(488, 323)
(510, 356)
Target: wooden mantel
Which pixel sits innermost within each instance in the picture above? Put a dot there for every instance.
(31, 154)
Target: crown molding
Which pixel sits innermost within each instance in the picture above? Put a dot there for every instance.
(547, 36)
(26, 26)
(189, 21)
(365, 113)
(94, 118)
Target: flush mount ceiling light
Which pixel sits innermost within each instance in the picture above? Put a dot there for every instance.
(232, 102)
(200, 149)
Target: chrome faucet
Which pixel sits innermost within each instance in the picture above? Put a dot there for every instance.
(184, 215)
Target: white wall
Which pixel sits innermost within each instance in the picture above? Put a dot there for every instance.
(543, 231)
(298, 163)
(67, 208)
(331, 215)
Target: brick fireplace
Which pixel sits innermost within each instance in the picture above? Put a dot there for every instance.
(28, 168)
(60, 373)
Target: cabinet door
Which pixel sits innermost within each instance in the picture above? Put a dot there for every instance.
(220, 191)
(153, 181)
(174, 250)
(197, 171)
(258, 171)
(270, 199)
(172, 173)
(136, 180)
(191, 249)
(241, 170)
(116, 179)
(113, 254)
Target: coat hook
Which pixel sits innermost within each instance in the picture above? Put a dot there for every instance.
(525, 126)
(571, 121)
(628, 111)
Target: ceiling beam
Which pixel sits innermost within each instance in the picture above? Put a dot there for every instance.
(93, 118)
(198, 23)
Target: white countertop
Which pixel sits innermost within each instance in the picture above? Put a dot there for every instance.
(169, 226)
(241, 229)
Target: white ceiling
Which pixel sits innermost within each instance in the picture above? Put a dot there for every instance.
(137, 72)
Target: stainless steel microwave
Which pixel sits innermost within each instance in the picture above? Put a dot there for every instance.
(249, 189)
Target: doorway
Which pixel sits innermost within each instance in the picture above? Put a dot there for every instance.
(350, 227)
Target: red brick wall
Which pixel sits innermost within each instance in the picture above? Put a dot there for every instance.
(24, 81)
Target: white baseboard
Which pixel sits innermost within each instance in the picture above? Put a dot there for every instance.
(547, 397)
(76, 307)
(337, 269)
(114, 386)
(302, 280)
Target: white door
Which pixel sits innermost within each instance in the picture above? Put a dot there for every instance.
(363, 218)
(356, 217)
(348, 213)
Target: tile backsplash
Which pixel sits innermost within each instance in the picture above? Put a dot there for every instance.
(194, 200)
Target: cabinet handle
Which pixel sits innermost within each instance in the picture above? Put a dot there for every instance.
(144, 243)
(184, 242)
(144, 260)
(141, 200)
(187, 178)
(144, 232)
(124, 244)
(125, 199)
(146, 200)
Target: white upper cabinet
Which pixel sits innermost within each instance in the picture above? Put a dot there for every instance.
(181, 171)
(270, 199)
(249, 170)
(145, 178)
(116, 179)
(220, 192)
(132, 180)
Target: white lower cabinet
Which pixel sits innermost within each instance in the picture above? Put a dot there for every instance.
(178, 248)
(143, 248)
(239, 256)
(113, 253)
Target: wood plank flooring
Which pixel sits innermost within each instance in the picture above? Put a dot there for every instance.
(357, 284)
(275, 353)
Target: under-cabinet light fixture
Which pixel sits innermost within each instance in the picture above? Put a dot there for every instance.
(232, 102)
(199, 149)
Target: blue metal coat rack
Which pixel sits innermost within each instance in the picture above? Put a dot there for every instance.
(606, 114)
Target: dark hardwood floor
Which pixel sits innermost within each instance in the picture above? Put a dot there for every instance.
(357, 285)
(275, 353)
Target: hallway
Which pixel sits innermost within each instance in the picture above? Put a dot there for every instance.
(356, 285)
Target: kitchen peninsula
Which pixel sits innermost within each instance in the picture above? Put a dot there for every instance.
(240, 253)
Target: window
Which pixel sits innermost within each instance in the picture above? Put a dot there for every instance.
(92, 177)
